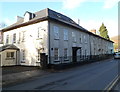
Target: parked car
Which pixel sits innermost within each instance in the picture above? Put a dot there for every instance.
(117, 55)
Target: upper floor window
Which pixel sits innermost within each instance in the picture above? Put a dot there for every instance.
(19, 37)
(65, 34)
(40, 33)
(56, 32)
(14, 38)
(73, 37)
(85, 38)
(7, 39)
(23, 36)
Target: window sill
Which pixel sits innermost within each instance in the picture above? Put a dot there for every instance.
(22, 61)
(10, 58)
(66, 60)
(56, 61)
(56, 39)
(39, 38)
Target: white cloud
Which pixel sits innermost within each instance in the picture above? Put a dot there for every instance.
(9, 22)
(71, 4)
(111, 25)
(110, 3)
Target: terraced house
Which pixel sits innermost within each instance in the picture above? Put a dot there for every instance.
(49, 37)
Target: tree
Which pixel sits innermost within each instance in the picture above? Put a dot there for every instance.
(103, 32)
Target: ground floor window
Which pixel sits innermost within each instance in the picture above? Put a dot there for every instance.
(38, 55)
(65, 53)
(10, 55)
(56, 54)
(23, 54)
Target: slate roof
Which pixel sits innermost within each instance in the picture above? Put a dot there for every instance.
(10, 46)
(47, 14)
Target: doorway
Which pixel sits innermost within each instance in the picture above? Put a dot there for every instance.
(74, 53)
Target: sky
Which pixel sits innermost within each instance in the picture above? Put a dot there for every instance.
(91, 13)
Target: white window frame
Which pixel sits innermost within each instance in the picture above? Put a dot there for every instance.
(40, 33)
(10, 55)
(23, 36)
(19, 37)
(56, 57)
(14, 38)
(23, 55)
(65, 54)
(74, 37)
(65, 34)
(56, 32)
(7, 39)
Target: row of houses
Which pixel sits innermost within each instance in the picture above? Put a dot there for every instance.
(51, 37)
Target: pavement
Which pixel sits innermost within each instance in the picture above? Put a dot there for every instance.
(17, 74)
(94, 76)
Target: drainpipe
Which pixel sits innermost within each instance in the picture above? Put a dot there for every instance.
(49, 41)
(90, 45)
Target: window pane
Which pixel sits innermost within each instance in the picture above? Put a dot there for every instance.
(56, 54)
(65, 34)
(8, 54)
(65, 53)
(40, 33)
(7, 39)
(56, 32)
(23, 54)
(14, 38)
(12, 54)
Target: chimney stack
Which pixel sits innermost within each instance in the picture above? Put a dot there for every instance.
(93, 31)
(19, 18)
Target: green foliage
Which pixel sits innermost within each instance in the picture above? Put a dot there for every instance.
(103, 32)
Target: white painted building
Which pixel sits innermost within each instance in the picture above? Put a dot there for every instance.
(52, 34)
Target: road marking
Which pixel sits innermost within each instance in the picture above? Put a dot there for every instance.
(111, 84)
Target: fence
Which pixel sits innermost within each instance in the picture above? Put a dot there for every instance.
(82, 58)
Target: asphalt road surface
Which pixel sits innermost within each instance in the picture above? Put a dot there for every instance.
(94, 76)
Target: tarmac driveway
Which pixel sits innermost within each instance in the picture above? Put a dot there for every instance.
(18, 69)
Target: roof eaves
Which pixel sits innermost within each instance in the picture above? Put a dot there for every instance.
(24, 24)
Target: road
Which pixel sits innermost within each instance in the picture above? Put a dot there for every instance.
(94, 76)
(117, 87)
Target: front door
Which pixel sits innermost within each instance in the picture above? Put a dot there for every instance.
(74, 54)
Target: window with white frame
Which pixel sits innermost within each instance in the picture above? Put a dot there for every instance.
(14, 38)
(73, 37)
(85, 38)
(56, 54)
(85, 52)
(40, 33)
(19, 37)
(7, 39)
(80, 40)
(65, 53)
(38, 54)
(65, 34)
(56, 32)
(10, 55)
(23, 52)
(23, 36)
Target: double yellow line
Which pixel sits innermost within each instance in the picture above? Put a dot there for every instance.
(111, 84)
